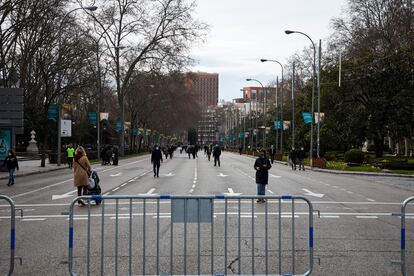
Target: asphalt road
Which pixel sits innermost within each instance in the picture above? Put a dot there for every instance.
(355, 234)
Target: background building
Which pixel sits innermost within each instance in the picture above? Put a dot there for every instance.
(205, 86)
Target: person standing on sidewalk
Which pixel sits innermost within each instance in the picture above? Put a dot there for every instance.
(262, 167)
(301, 158)
(81, 173)
(156, 159)
(11, 163)
(70, 152)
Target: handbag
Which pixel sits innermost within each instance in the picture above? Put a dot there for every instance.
(87, 172)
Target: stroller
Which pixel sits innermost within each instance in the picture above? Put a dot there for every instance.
(93, 186)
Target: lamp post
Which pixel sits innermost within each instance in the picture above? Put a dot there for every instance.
(313, 90)
(91, 8)
(281, 102)
(264, 110)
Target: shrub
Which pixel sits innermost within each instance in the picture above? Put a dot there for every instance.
(354, 156)
(330, 156)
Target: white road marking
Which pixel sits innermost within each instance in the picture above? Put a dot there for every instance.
(120, 217)
(275, 176)
(62, 182)
(329, 216)
(151, 191)
(129, 181)
(309, 193)
(349, 192)
(369, 199)
(247, 216)
(284, 214)
(289, 216)
(366, 217)
(270, 191)
(124, 184)
(191, 191)
(231, 192)
(194, 181)
(52, 205)
(252, 178)
(193, 186)
(169, 174)
(116, 189)
(161, 217)
(114, 175)
(34, 219)
(68, 194)
(222, 175)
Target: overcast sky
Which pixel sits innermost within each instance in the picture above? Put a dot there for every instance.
(243, 31)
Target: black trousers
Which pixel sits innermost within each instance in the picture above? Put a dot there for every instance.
(217, 160)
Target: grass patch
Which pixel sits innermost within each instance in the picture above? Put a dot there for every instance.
(363, 168)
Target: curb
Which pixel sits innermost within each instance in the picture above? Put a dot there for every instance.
(54, 169)
(345, 172)
(34, 172)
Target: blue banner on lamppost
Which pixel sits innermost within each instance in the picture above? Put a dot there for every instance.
(278, 124)
(307, 117)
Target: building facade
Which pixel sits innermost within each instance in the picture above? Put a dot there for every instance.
(205, 86)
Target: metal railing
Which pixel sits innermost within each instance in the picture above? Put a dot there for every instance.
(204, 245)
(403, 262)
(12, 231)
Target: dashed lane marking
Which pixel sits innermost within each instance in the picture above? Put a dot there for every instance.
(62, 182)
(325, 216)
(34, 219)
(366, 217)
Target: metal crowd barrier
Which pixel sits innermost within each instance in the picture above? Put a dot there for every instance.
(403, 262)
(12, 231)
(187, 213)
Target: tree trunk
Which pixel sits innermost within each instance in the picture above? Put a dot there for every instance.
(405, 146)
(379, 145)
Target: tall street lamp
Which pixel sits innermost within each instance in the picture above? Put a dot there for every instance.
(281, 104)
(264, 110)
(91, 8)
(288, 32)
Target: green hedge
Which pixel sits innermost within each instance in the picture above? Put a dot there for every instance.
(354, 157)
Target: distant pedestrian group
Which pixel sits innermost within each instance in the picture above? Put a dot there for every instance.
(297, 157)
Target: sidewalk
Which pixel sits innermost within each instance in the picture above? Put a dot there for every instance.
(30, 167)
(344, 172)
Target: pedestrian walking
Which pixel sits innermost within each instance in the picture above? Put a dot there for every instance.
(272, 153)
(208, 152)
(115, 156)
(292, 158)
(70, 151)
(12, 164)
(81, 173)
(216, 155)
(262, 167)
(301, 158)
(156, 159)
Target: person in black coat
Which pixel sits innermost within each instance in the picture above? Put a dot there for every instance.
(292, 157)
(301, 158)
(216, 155)
(156, 159)
(11, 163)
(262, 167)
